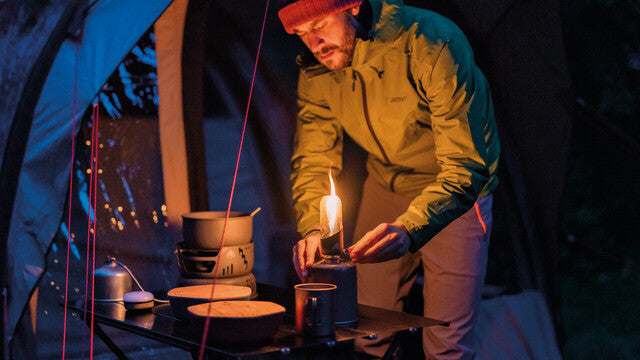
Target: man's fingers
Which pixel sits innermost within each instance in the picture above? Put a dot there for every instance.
(386, 253)
(296, 263)
(301, 254)
(305, 253)
(391, 244)
(382, 251)
(379, 230)
(385, 241)
(310, 252)
(389, 252)
(373, 234)
(369, 239)
(357, 247)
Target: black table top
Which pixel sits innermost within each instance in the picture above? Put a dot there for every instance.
(160, 324)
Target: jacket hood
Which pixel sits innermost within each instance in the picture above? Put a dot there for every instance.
(387, 15)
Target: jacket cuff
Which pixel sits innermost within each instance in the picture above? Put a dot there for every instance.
(419, 234)
(312, 231)
(307, 224)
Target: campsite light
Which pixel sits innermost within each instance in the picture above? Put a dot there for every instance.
(331, 222)
(336, 267)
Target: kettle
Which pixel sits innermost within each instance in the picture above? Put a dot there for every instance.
(111, 282)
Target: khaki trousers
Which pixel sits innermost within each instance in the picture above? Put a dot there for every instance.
(454, 264)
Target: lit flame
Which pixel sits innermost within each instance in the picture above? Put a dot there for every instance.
(333, 187)
(332, 206)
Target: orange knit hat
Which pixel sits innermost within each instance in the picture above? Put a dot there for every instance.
(295, 13)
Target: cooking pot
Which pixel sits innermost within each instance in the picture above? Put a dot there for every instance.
(203, 229)
(234, 261)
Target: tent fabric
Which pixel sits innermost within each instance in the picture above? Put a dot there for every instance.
(515, 327)
(23, 68)
(24, 48)
(111, 29)
(527, 49)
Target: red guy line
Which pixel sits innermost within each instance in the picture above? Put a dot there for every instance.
(86, 277)
(233, 184)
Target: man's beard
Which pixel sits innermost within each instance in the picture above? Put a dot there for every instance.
(343, 52)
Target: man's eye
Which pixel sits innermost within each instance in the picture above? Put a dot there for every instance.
(319, 26)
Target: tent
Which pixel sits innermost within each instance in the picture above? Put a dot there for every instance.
(63, 53)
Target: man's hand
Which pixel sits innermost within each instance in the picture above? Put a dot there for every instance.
(386, 242)
(305, 253)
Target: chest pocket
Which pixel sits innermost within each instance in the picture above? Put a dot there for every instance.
(418, 131)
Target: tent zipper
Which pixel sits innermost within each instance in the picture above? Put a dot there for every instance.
(366, 116)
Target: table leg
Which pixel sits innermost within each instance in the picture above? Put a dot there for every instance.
(107, 340)
(393, 346)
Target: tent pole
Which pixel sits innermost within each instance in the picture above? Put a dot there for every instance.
(169, 29)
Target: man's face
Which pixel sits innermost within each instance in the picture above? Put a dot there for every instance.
(331, 39)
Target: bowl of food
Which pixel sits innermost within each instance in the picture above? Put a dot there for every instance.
(181, 298)
(238, 321)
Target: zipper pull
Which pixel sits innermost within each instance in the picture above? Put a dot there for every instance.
(378, 72)
(353, 76)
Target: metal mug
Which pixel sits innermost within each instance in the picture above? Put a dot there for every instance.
(315, 309)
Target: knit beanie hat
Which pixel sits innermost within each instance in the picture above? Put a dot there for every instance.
(294, 13)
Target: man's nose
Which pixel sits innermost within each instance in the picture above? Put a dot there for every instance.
(315, 42)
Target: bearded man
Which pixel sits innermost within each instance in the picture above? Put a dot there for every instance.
(402, 82)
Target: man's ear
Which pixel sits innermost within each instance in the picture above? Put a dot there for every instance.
(355, 10)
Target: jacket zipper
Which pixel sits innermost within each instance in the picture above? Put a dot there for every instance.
(366, 116)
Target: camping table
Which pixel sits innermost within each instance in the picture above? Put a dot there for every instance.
(160, 324)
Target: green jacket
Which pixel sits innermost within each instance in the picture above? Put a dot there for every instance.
(414, 99)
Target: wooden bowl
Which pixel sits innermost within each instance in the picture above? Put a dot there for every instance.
(243, 280)
(238, 321)
(183, 297)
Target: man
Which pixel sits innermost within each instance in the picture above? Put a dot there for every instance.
(403, 84)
